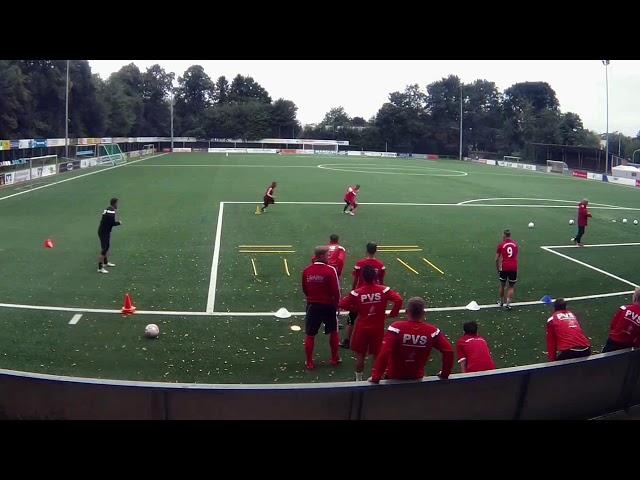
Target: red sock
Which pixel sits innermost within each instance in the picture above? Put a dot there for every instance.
(334, 343)
(309, 341)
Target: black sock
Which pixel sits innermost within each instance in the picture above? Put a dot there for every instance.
(99, 265)
(345, 208)
(105, 260)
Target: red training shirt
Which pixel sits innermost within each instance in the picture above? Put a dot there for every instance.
(370, 301)
(564, 333)
(625, 326)
(360, 264)
(320, 284)
(508, 250)
(350, 195)
(269, 192)
(583, 215)
(474, 350)
(406, 348)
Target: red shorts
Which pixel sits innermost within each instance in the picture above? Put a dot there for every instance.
(366, 340)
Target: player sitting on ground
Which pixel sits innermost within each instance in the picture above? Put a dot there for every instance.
(379, 268)
(565, 337)
(269, 198)
(473, 350)
(350, 198)
(370, 302)
(107, 222)
(625, 326)
(507, 266)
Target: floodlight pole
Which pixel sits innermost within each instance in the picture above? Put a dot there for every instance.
(66, 116)
(171, 108)
(606, 73)
(460, 123)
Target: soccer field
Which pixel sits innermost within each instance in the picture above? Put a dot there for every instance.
(210, 273)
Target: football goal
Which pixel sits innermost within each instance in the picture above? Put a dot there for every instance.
(148, 149)
(554, 166)
(110, 153)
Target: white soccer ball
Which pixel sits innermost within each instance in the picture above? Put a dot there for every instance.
(531, 225)
(151, 331)
(635, 222)
(572, 221)
(624, 220)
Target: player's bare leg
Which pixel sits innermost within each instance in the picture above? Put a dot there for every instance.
(102, 260)
(347, 340)
(359, 366)
(509, 296)
(501, 295)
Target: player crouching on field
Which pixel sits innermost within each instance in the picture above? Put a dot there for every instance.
(350, 198)
(473, 350)
(625, 326)
(407, 345)
(565, 338)
(370, 302)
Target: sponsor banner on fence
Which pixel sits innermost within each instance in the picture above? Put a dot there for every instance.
(223, 150)
(432, 157)
(479, 160)
(21, 176)
(166, 150)
(69, 166)
(15, 144)
(1, 179)
(39, 142)
(55, 142)
(88, 162)
(405, 155)
(120, 140)
(594, 176)
(620, 181)
(182, 150)
(262, 150)
(5, 144)
(287, 151)
(579, 174)
(106, 140)
(199, 150)
(388, 154)
(25, 143)
(135, 153)
(354, 153)
(8, 178)
(638, 183)
(48, 170)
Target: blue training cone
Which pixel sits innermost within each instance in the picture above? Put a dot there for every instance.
(546, 299)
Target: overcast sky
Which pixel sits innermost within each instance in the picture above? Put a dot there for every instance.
(362, 86)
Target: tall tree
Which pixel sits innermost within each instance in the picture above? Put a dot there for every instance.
(87, 116)
(156, 89)
(46, 80)
(194, 96)
(15, 101)
(221, 90)
(244, 89)
(283, 118)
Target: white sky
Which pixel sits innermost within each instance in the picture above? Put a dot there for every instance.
(362, 86)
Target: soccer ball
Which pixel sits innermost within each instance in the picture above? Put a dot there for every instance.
(635, 222)
(624, 220)
(151, 331)
(571, 222)
(531, 225)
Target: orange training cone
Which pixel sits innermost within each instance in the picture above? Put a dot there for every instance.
(128, 308)
(48, 243)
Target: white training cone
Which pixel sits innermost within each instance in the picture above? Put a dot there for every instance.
(473, 306)
(283, 313)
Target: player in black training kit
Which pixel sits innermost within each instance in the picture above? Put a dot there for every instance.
(107, 222)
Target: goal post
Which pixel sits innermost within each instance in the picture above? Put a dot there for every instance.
(28, 169)
(554, 166)
(110, 153)
(148, 149)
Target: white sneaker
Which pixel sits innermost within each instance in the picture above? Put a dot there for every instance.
(111, 264)
(346, 212)
(351, 213)
(103, 270)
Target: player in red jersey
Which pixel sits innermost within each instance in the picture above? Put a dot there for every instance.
(321, 288)
(350, 197)
(336, 254)
(370, 301)
(583, 220)
(269, 198)
(625, 326)
(473, 350)
(379, 268)
(565, 337)
(507, 266)
(407, 345)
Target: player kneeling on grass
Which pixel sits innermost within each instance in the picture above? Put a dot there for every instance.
(370, 302)
(407, 345)
(350, 198)
(322, 290)
(107, 222)
(565, 337)
(473, 351)
(269, 198)
(625, 326)
(507, 266)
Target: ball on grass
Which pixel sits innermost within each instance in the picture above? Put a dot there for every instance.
(572, 221)
(624, 220)
(531, 225)
(151, 331)
(635, 222)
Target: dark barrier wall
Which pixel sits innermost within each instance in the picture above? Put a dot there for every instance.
(571, 389)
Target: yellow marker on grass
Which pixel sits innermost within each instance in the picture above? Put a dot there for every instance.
(286, 267)
(408, 266)
(433, 266)
(255, 272)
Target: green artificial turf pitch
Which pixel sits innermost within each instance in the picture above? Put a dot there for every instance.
(170, 207)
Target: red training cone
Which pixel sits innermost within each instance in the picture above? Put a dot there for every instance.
(128, 308)
(48, 243)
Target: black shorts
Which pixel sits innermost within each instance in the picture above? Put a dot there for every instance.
(569, 354)
(352, 318)
(612, 346)
(318, 314)
(105, 242)
(508, 275)
(268, 200)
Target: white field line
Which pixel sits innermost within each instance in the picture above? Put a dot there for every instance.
(79, 176)
(590, 266)
(223, 165)
(213, 278)
(169, 313)
(574, 202)
(592, 246)
(75, 319)
(392, 204)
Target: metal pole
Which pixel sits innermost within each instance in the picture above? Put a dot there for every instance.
(172, 120)
(606, 73)
(460, 123)
(619, 140)
(385, 146)
(66, 116)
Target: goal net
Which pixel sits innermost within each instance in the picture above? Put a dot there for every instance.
(554, 166)
(110, 153)
(27, 169)
(148, 149)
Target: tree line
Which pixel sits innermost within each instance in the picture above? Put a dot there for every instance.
(425, 119)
